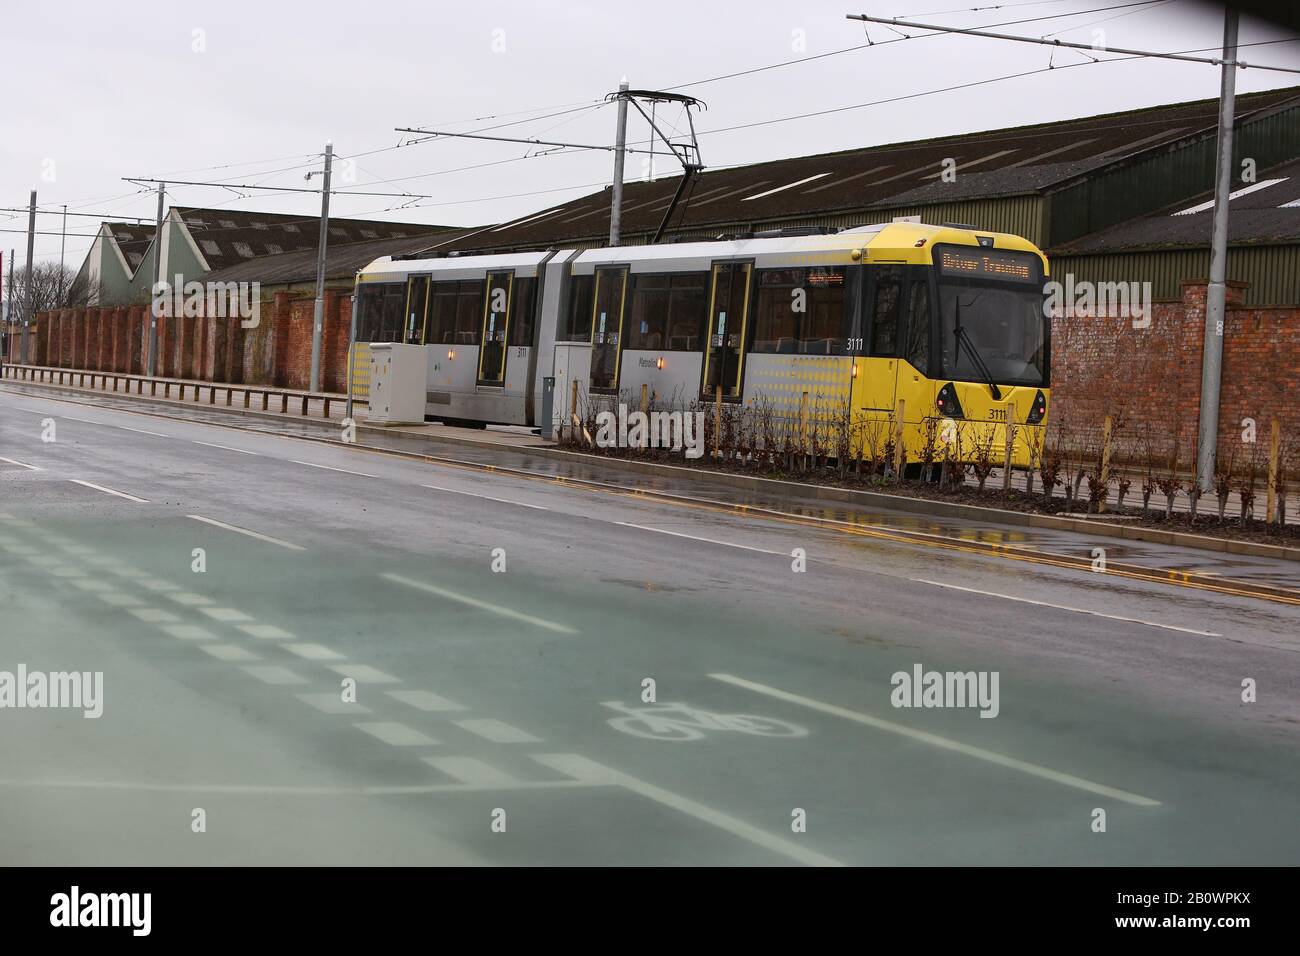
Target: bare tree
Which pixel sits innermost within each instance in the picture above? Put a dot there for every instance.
(55, 287)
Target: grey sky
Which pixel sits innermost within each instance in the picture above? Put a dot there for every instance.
(95, 94)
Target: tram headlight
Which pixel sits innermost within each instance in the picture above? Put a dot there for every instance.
(947, 402)
(1038, 409)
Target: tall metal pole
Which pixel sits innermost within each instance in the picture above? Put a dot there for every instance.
(352, 344)
(1216, 294)
(318, 321)
(63, 243)
(620, 144)
(155, 301)
(29, 310)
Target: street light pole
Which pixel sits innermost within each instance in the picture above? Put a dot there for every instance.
(155, 302)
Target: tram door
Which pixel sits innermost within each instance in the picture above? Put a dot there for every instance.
(607, 328)
(724, 349)
(496, 317)
(417, 297)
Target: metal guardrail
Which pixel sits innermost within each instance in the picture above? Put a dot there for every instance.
(76, 378)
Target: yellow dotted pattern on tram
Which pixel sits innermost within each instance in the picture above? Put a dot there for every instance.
(827, 379)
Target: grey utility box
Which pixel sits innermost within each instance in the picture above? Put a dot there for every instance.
(397, 378)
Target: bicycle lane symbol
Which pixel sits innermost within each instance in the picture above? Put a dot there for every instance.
(680, 721)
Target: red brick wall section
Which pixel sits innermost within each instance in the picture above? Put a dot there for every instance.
(1151, 378)
(137, 331)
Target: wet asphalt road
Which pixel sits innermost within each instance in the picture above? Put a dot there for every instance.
(499, 714)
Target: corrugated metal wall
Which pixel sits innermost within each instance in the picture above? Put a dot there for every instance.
(1272, 271)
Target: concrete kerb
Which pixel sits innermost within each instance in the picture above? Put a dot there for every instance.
(921, 507)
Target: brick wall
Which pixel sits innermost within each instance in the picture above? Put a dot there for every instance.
(276, 351)
(1152, 377)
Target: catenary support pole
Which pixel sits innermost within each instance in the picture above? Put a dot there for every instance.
(318, 317)
(1216, 294)
(620, 145)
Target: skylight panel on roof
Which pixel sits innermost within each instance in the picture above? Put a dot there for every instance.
(259, 225)
(290, 227)
(1209, 204)
(974, 162)
(244, 249)
(227, 224)
(274, 248)
(210, 247)
(797, 182)
(369, 234)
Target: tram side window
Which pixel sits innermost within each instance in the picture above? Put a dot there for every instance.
(800, 311)
(523, 298)
(575, 323)
(668, 312)
(917, 347)
(885, 311)
(455, 313)
(379, 313)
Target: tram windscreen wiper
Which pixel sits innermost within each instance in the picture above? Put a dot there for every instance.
(963, 336)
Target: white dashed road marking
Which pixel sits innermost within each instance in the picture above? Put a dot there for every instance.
(496, 731)
(267, 632)
(275, 674)
(189, 632)
(481, 605)
(313, 652)
(20, 464)
(155, 615)
(471, 494)
(364, 674)
(423, 700)
(470, 771)
(252, 534)
(227, 614)
(209, 444)
(395, 734)
(678, 534)
(312, 464)
(1062, 607)
(228, 652)
(109, 491)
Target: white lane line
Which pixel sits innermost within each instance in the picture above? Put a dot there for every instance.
(209, 444)
(678, 534)
(470, 771)
(423, 700)
(142, 431)
(395, 734)
(20, 464)
(1063, 607)
(84, 421)
(345, 471)
(588, 771)
(228, 652)
(481, 605)
(504, 501)
(313, 652)
(109, 491)
(158, 585)
(226, 614)
(252, 534)
(274, 674)
(91, 584)
(188, 598)
(497, 731)
(267, 632)
(189, 632)
(120, 600)
(945, 743)
(155, 615)
(364, 674)
(331, 702)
